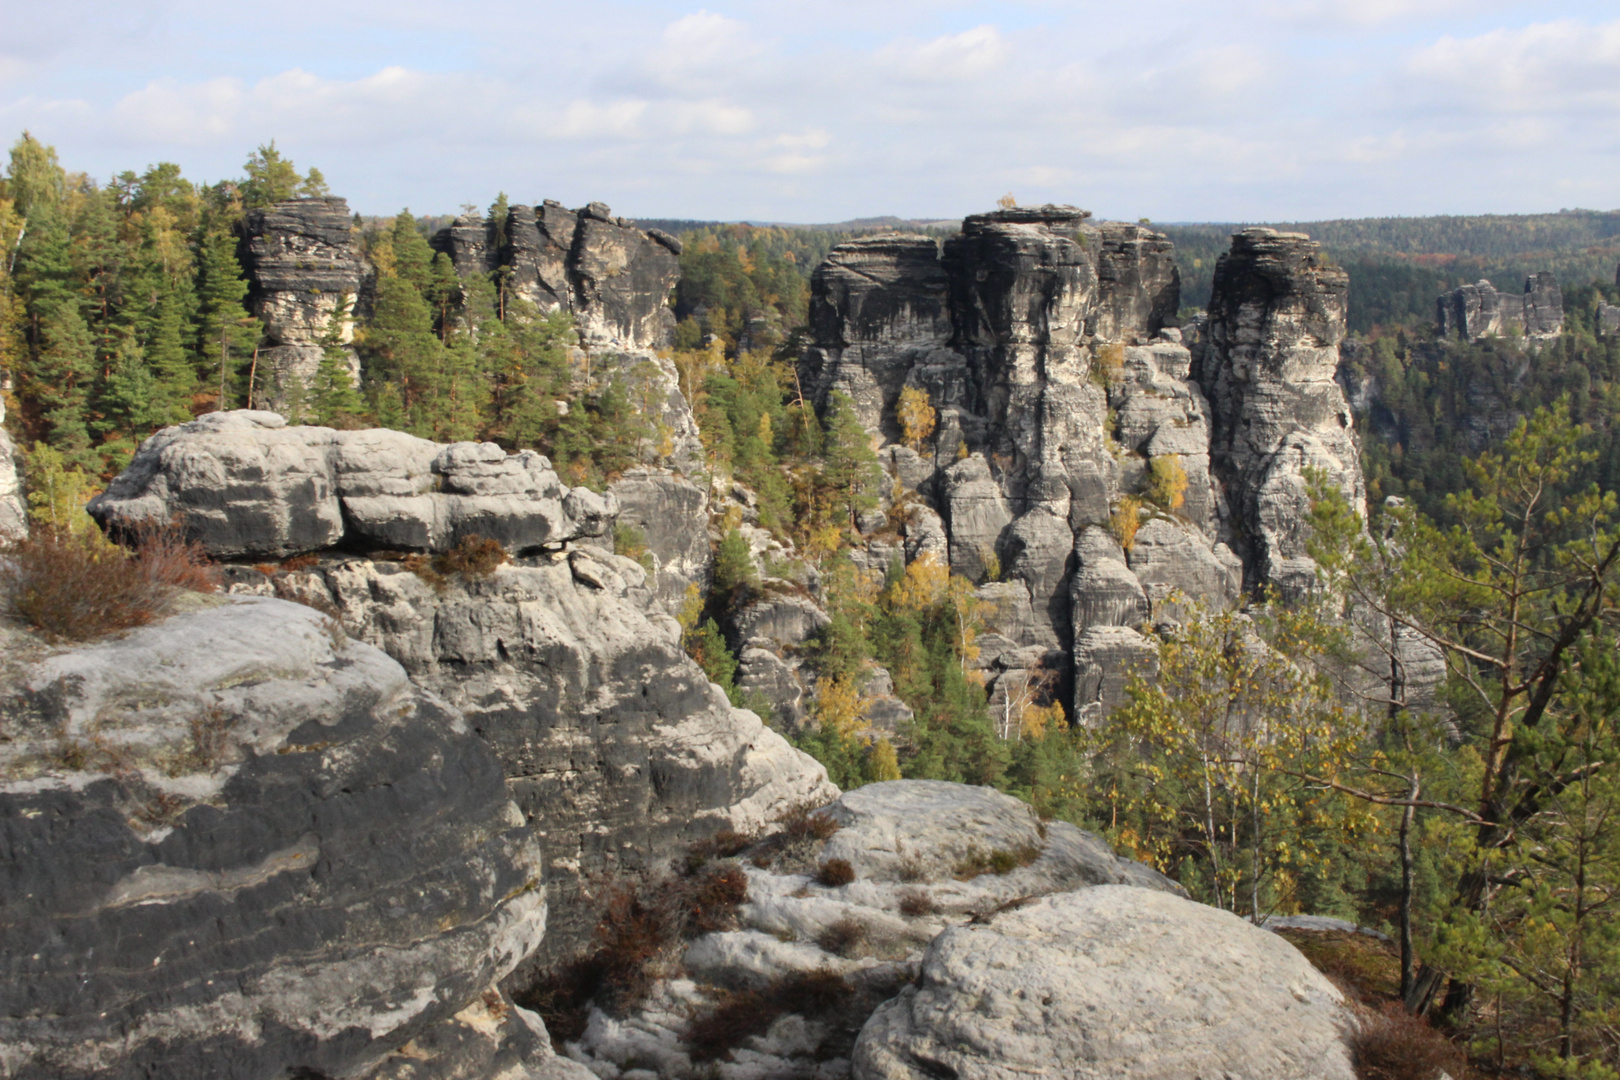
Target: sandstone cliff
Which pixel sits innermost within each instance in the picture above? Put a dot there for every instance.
(305, 275)
(1475, 311)
(1047, 345)
(613, 743)
(241, 844)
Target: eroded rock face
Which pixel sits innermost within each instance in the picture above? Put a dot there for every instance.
(306, 274)
(13, 511)
(1276, 317)
(1471, 312)
(612, 276)
(614, 744)
(1111, 981)
(241, 844)
(246, 485)
(926, 856)
(1064, 397)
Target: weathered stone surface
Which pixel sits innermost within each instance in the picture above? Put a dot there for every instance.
(490, 1039)
(614, 744)
(13, 511)
(920, 850)
(878, 310)
(673, 516)
(778, 620)
(613, 277)
(1471, 312)
(1104, 658)
(1104, 591)
(1169, 558)
(978, 514)
(1277, 315)
(1114, 982)
(1608, 319)
(305, 276)
(267, 853)
(1138, 283)
(245, 485)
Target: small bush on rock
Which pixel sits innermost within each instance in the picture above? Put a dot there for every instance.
(814, 995)
(915, 903)
(1393, 1045)
(75, 586)
(843, 937)
(835, 872)
(473, 556)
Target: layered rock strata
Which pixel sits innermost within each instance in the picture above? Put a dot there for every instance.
(613, 277)
(1269, 367)
(612, 741)
(241, 844)
(1069, 408)
(246, 485)
(306, 274)
(1471, 312)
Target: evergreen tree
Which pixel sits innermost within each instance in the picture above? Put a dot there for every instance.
(850, 473)
(60, 378)
(227, 332)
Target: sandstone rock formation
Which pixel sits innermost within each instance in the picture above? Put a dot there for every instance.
(247, 485)
(240, 843)
(614, 744)
(13, 510)
(925, 855)
(1276, 318)
(306, 275)
(1116, 982)
(1067, 402)
(1471, 312)
(612, 276)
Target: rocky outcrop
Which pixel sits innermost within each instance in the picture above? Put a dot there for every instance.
(239, 843)
(925, 856)
(1471, 312)
(1154, 987)
(613, 277)
(614, 744)
(13, 509)
(1276, 318)
(1068, 401)
(671, 514)
(305, 273)
(246, 485)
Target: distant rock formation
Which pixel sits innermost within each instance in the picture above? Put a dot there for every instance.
(305, 277)
(280, 859)
(1276, 318)
(612, 276)
(1475, 311)
(1047, 345)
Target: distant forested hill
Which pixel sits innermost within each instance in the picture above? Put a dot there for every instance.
(1399, 265)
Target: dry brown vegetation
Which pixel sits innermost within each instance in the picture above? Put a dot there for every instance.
(473, 556)
(835, 872)
(995, 861)
(78, 586)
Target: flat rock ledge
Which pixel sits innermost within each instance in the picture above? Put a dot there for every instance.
(1110, 983)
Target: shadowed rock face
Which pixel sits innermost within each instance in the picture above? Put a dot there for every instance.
(1045, 344)
(612, 276)
(613, 743)
(303, 267)
(1276, 318)
(1471, 312)
(269, 853)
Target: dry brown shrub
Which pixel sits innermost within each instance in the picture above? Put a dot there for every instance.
(995, 861)
(915, 903)
(76, 587)
(168, 558)
(299, 562)
(473, 556)
(835, 872)
(742, 1015)
(1392, 1045)
(844, 936)
(807, 822)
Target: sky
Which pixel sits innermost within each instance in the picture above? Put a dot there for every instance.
(765, 110)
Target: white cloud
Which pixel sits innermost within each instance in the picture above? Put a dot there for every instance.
(968, 55)
(1564, 66)
(1369, 13)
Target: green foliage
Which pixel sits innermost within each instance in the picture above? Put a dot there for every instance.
(734, 571)
(272, 178)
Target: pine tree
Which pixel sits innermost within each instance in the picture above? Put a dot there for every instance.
(850, 472)
(228, 332)
(60, 378)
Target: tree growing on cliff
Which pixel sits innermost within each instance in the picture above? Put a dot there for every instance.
(850, 474)
(916, 417)
(272, 178)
